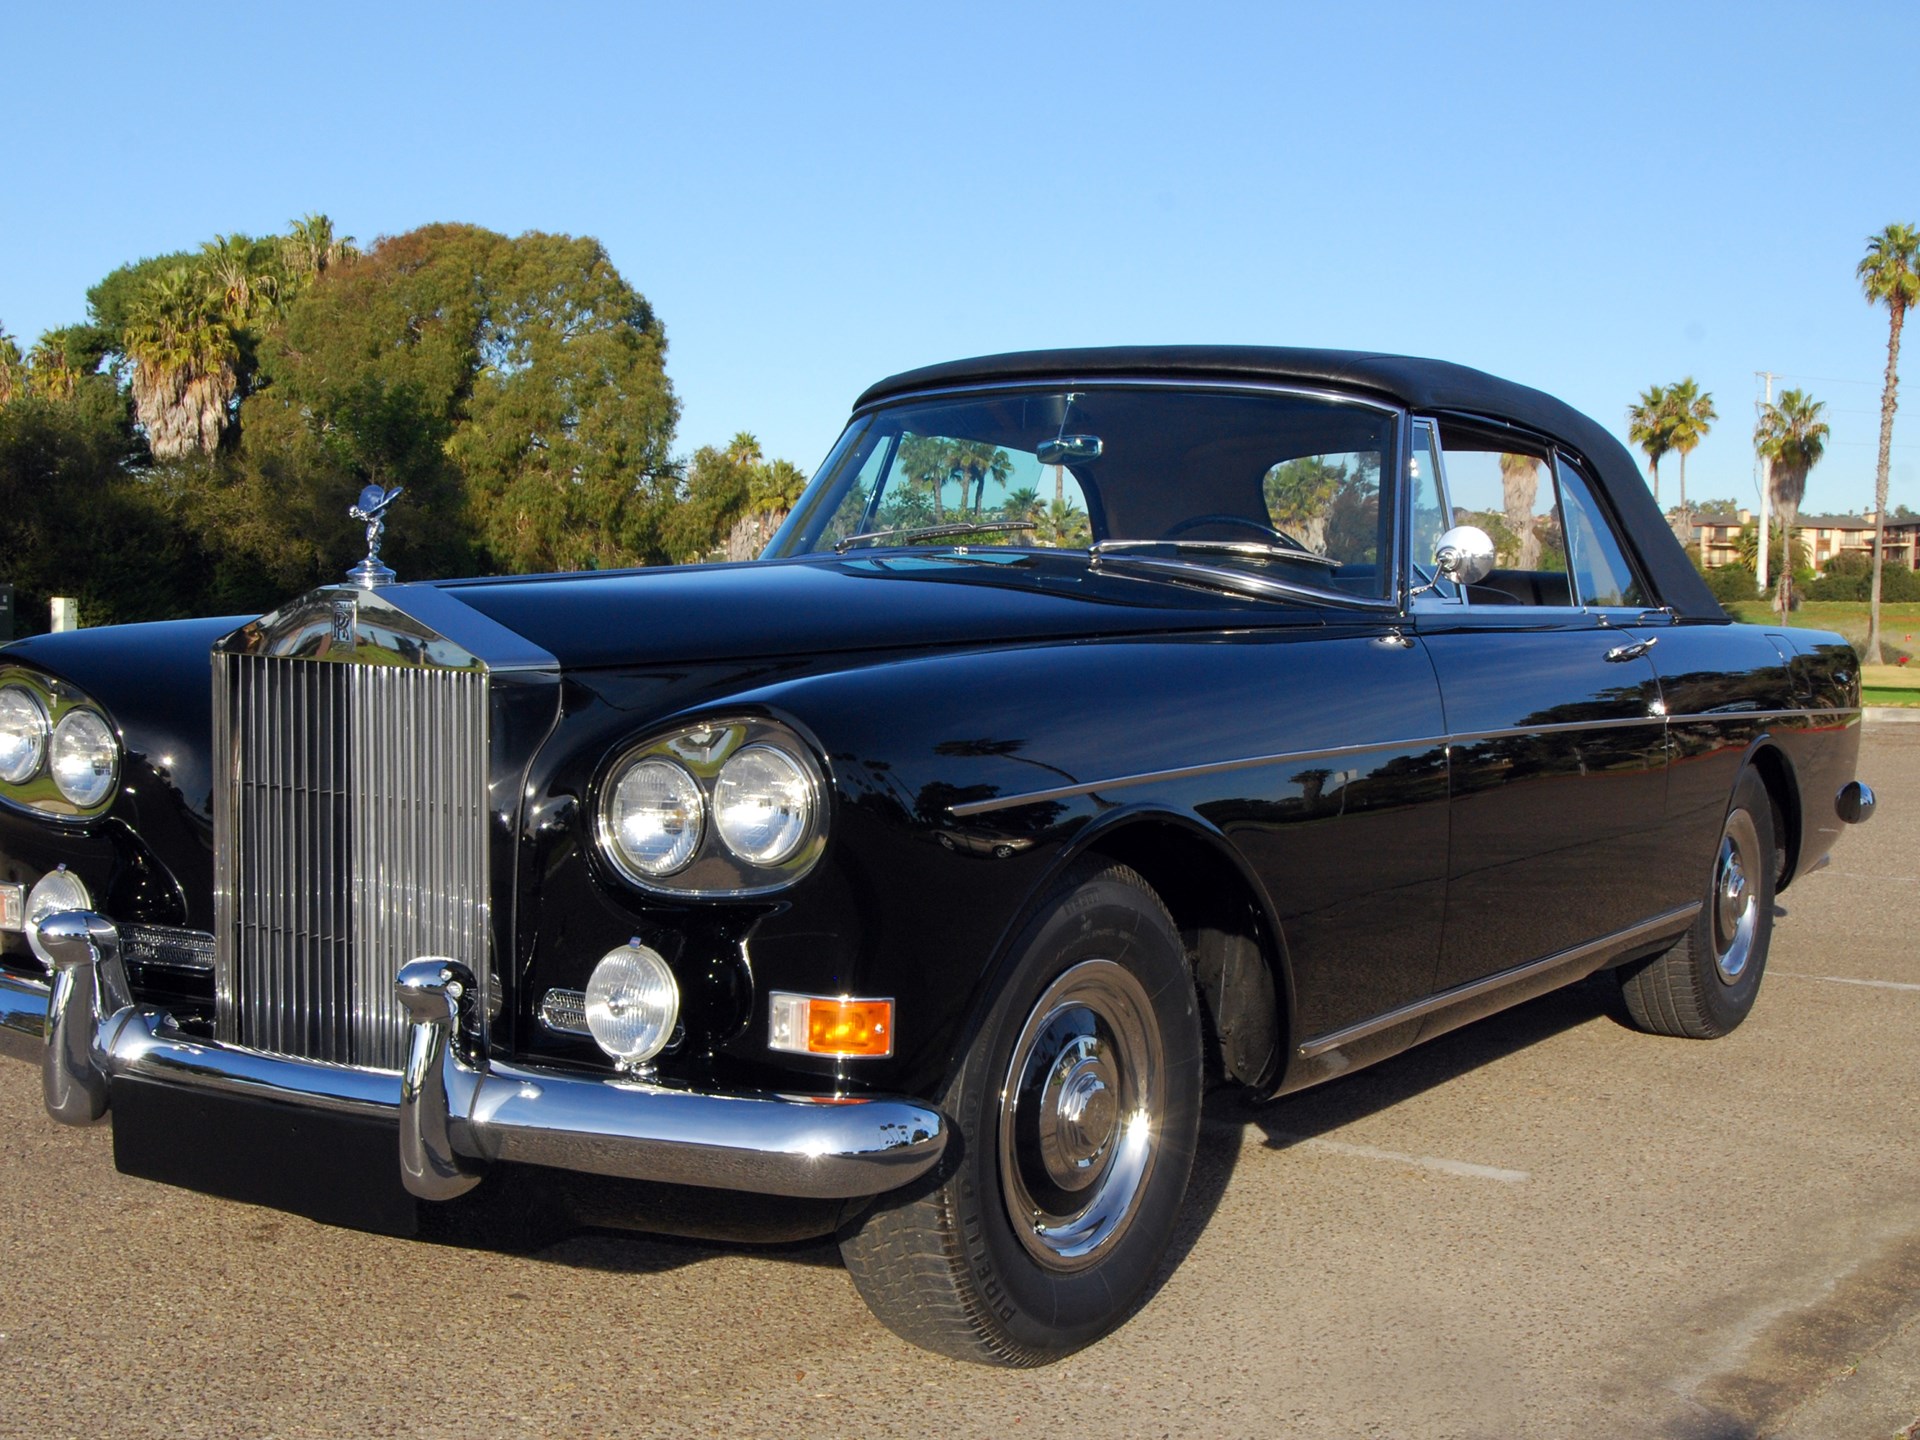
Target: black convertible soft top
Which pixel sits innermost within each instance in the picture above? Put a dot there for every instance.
(1432, 387)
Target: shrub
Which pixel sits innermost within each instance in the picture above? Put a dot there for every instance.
(1897, 582)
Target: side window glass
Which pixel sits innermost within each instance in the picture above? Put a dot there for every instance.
(1428, 502)
(1595, 556)
(1509, 493)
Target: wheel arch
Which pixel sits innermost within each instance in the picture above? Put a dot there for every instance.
(1234, 941)
(1770, 762)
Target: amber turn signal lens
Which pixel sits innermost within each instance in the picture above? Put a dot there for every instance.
(826, 1025)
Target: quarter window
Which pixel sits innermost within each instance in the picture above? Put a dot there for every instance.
(1595, 556)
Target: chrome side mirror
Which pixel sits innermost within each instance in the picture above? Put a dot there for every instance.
(1463, 555)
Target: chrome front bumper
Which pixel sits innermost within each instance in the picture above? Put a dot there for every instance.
(457, 1110)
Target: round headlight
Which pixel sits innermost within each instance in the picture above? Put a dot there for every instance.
(86, 759)
(632, 1004)
(23, 735)
(58, 890)
(763, 805)
(655, 816)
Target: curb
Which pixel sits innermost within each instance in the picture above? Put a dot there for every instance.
(1891, 714)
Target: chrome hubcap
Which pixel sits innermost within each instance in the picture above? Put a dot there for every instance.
(1735, 915)
(1078, 1115)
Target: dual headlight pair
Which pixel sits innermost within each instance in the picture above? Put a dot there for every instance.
(734, 807)
(55, 747)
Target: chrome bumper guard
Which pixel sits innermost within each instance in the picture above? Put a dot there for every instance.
(457, 1110)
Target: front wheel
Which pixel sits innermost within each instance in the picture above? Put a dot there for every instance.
(1706, 984)
(1077, 1111)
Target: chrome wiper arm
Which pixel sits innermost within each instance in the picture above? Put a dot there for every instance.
(1233, 582)
(932, 532)
(1253, 549)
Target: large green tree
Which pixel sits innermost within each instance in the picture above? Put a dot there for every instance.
(1889, 275)
(516, 387)
(566, 441)
(1792, 435)
(77, 518)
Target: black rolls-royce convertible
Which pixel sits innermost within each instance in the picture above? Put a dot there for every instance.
(1101, 725)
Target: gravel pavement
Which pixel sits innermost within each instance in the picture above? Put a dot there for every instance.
(1542, 1225)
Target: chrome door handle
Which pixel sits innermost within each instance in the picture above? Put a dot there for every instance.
(1633, 651)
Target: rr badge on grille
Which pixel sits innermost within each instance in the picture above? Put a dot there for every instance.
(345, 613)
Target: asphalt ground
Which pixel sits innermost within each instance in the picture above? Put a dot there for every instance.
(1542, 1225)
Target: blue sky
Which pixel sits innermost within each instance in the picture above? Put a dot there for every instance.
(1588, 199)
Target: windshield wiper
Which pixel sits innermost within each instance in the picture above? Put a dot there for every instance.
(1252, 549)
(1180, 571)
(932, 532)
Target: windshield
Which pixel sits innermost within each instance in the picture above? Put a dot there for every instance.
(1288, 485)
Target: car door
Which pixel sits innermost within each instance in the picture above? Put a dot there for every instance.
(1556, 740)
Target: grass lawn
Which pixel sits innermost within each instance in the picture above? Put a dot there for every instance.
(1889, 684)
(1899, 623)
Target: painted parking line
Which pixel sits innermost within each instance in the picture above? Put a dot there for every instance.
(1464, 1168)
(1848, 980)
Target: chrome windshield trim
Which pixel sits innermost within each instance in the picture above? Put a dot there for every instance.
(1671, 921)
(1132, 382)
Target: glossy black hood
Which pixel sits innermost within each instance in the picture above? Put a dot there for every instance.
(858, 602)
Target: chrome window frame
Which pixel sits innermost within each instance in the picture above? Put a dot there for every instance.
(1459, 603)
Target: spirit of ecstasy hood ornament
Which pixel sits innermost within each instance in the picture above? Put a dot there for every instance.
(370, 574)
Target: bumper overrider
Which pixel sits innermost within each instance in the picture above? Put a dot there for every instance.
(457, 1111)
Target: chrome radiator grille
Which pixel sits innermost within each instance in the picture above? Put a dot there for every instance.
(350, 837)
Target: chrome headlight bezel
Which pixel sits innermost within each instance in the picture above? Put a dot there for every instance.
(715, 870)
(40, 792)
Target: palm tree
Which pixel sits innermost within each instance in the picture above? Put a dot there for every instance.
(51, 373)
(1890, 276)
(310, 249)
(1519, 485)
(1781, 559)
(1022, 504)
(184, 365)
(1793, 436)
(1691, 415)
(237, 275)
(1649, 426)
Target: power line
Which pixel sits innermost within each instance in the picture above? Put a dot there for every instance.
(1823, 379)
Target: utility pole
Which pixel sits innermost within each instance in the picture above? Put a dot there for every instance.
(1766, 485)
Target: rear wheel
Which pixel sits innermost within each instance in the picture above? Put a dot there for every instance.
(1077, 1111)
(1706, 984)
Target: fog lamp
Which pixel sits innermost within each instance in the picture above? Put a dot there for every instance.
(58, 890)
(632, 1004)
